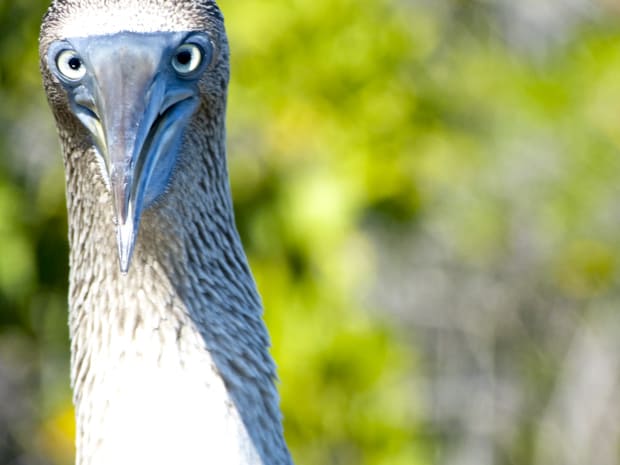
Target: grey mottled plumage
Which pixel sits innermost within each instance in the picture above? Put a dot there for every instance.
(170, 361)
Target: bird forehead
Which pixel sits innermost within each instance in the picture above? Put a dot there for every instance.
(106, 18)
(148, 46)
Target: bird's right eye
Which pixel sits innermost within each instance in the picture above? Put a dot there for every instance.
(187, 59)
(70, 65)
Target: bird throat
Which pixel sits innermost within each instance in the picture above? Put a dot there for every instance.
(150, 390)
(170, 361)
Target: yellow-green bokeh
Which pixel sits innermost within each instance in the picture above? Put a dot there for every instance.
(356, 128)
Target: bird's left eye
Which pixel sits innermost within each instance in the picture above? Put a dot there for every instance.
(70, 65)
(187, 59)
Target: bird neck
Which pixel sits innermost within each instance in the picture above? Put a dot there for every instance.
(171, 359)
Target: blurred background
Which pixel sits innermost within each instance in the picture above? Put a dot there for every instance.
(428, 194)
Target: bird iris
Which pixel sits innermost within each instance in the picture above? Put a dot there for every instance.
(187, 59)
(70, 65)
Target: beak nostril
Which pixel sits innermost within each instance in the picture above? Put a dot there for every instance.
(175, 96)
(87, 105)
(85, 99)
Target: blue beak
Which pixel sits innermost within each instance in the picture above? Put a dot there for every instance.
(136, 109)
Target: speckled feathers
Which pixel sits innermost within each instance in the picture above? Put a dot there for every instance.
(79, 18)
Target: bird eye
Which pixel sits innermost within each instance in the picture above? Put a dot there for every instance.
(187, 59)
(70, 65)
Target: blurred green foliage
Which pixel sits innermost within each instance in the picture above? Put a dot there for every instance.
(345, 119)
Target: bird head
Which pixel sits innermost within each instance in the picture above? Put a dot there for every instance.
(127, 77)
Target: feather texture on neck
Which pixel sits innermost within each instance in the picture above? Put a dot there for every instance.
(171, 360)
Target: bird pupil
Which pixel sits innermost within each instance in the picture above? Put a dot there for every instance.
(75, 63)
(184, 57)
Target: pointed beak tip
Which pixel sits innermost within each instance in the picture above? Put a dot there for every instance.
(124, 266)
(125, 238)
